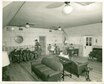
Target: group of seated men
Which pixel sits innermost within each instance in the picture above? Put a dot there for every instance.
(19, 55)
(55, 50)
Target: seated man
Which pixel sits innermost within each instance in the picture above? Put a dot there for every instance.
(56, 50)
(70, 51)
(65, 47)
(49, 48)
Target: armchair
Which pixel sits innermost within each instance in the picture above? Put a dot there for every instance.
(96, 53)
(77, 66)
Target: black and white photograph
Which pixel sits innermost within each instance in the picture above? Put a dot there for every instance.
(52, 41)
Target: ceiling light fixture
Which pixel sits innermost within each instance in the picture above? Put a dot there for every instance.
(59, 28)
(10, 28)
(67, 9)
(27, 25)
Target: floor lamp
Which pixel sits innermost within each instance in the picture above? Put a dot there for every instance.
(5, 63)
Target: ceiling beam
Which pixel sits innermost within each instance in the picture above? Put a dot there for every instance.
(16, 13)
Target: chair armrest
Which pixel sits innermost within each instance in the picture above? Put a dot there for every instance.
(81, 64)
(84, 64)
(58, 72)
(82, 67)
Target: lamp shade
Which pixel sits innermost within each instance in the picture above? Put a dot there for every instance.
(5, 59)
(27, 26)
(60, 29)
(66, 41)
(67, 9)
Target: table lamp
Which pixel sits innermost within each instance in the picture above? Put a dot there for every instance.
(5, 63)
(5, 59)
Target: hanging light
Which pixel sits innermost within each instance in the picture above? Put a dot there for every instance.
(59, 28)
(67, 9)
(27, 25)
(12, 28)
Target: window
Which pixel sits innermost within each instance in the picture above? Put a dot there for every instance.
(88, 41)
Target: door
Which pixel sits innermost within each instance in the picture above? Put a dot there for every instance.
(42, 41)
(87, 45)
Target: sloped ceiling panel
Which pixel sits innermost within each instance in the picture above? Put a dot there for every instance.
(42, 17)
(9, 12)
(5, 3)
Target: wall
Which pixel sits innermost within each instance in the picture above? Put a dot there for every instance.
(30, 35)
(75, 35)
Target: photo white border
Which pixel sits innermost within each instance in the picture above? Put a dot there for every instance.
(32, 82)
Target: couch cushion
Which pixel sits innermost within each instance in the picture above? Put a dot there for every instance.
(53, 63)
(40, 67)
(47, 72)
(42, 71)
(37, 65)
(44, 74)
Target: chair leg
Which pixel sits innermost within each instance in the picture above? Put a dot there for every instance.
(87, 75)
(78, 75)
(63, 75)
(70, 75)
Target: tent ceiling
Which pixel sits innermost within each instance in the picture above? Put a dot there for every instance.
(19, 13)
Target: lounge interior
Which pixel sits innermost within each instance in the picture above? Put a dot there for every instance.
(24, 23)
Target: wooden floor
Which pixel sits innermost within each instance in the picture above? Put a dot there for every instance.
(22, 72)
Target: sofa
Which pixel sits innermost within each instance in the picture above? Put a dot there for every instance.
(49, 69)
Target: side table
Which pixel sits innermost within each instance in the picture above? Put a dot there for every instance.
(65, 63)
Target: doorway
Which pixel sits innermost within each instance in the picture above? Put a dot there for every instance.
(42, 41)
(87, 45)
